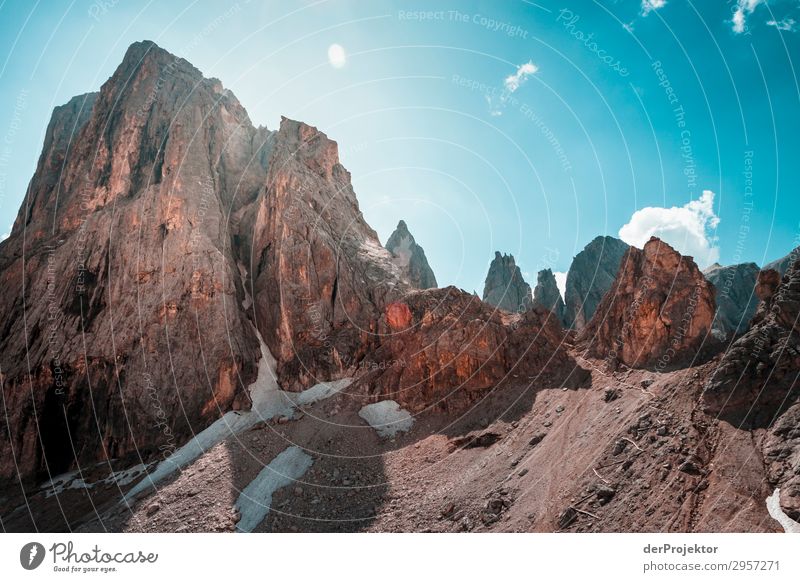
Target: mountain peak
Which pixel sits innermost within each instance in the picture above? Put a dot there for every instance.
(547, 295)
(505, 287)
(590, 276)
(410, 257)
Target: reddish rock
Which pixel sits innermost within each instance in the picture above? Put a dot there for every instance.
(658, 313)
(122, 330)
(321, 276)
(767, 283)
(398, 315)
(457, 348)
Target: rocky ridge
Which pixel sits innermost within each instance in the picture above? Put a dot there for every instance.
(233, 234)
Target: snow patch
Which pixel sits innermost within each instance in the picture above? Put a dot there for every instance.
(776, 511)
(57, 485)
(268, 402)
(255, 500)
(387, 418)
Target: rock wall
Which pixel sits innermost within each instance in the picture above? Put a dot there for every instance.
(658, 314)
(590, 276)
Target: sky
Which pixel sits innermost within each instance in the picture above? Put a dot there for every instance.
(524, 127)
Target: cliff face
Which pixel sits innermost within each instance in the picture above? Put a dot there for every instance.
(126, 305)
(736, 297)
(658, 313)
(320, 275)
(505, 288)
(590, 277)
(757, 377)
(547, 295)
(444, 348)
(410, 258)
(756, 384)
(160, 231)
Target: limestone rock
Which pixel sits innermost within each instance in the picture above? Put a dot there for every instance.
(590, 277)
(410, 257)
(505, 288)
(455, 347)
(657, 315)
(736, 297)
(121, 328)
(321, 278)
(547, 295)
(757, 377)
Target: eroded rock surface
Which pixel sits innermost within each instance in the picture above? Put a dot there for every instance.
(782, 265)
(454, 348)
(658, 314)
(757, 376)
(321, 278)
(122, 330)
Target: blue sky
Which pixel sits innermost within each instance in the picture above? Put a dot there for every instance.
(524, 127)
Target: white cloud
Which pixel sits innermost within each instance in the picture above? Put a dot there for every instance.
(786, 24)
(744, 8)
(561, 282)
(649, 6)
(510, 84)
(686, 228)
(514, 81)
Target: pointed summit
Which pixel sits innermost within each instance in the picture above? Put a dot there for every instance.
(410, 257)
(590, 276)
(547, 295)
(505, 287)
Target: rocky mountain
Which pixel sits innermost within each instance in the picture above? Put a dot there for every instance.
(319, 274)
(164, 237)
(199, 325)
(122, 295)
(547, 295)
(589, 278)
(505, 287)
(453, 348)
(658, 314)
(782, 265)
(757, 377)
(755, 386)
(410, 257)
(735, 293)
